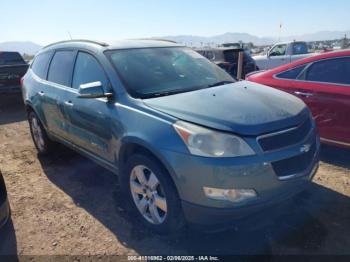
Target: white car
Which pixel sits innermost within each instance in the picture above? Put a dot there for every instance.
(282, 53)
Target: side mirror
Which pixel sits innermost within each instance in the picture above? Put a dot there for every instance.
(92, 90)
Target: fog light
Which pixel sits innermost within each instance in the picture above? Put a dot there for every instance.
(232, 195)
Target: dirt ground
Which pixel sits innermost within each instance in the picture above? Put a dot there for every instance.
(65, 204)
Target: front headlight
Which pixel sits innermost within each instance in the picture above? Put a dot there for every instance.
(201, 141)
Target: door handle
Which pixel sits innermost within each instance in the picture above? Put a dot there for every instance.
(305, 94)
(68, 103)
(41, 93)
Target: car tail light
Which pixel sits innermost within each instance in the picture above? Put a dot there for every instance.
(21, 81)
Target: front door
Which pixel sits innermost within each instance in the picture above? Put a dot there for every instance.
(89, 123)
(278, 56)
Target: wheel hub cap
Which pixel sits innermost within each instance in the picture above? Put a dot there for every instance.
(149, 194)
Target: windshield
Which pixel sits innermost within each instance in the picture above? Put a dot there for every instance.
(10, 58)
(151, 72)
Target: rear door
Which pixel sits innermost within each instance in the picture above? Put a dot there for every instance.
(325, 88)
(88, 119)
(285, 80)
(39, 86)
(59, 80)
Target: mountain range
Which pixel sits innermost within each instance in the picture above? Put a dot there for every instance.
(244, 37)
(26, 47)
(31, 48)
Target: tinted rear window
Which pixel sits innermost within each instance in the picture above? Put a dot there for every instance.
(10, 58)
(39, 66)
(231, 56)
(300, 48)
(292, 73)
(61, 67)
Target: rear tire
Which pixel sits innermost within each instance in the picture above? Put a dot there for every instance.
(40, 138)
(151, 194)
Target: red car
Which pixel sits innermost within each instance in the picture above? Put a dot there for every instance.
(323, 83)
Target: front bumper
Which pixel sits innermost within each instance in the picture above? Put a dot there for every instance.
(204, 216)
(191, 174)
(4, 213)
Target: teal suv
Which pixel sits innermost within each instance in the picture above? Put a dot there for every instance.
(188, 142)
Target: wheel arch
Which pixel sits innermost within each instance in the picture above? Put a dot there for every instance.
(132, 145)
(30, 108)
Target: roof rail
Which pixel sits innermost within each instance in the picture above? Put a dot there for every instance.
(157, 39)
(78, 40)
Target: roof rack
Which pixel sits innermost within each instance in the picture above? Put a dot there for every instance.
(78, 40)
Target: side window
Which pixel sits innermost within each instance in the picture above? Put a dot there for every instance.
(39, 66)
(278, 50)
(330, 71)
(292, 73)
(61, 67)
(300, 48)
(231, 56)
(88, 70)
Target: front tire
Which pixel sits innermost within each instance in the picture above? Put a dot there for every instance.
(40, 138)
(151, 194)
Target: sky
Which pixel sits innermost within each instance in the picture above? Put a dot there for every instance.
(46, 21)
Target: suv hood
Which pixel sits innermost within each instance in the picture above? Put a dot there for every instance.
(243, 107)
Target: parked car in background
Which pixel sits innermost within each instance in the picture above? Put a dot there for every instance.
(189, 143)
(323, 83)
(4, 205)
(282, 53)
(227, 58)
(233, 45)
(12, 68)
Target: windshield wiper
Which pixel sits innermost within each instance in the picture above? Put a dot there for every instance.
(178, 91)
(221, 83)
(165, 93)
(168, 93)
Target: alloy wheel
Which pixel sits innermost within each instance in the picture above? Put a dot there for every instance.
(37, 134)
(148, 194)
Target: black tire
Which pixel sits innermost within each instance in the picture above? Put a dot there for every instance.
(47, 144)
(174, 219)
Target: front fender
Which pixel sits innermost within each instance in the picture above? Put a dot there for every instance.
(262, 62)
(136, 141)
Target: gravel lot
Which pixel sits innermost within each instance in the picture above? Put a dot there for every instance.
(66, 204)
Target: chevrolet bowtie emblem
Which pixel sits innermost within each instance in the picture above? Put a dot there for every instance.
(305, 148)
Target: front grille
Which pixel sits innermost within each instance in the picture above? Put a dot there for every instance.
(294, 165)
(3, 194)
(285, 138)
